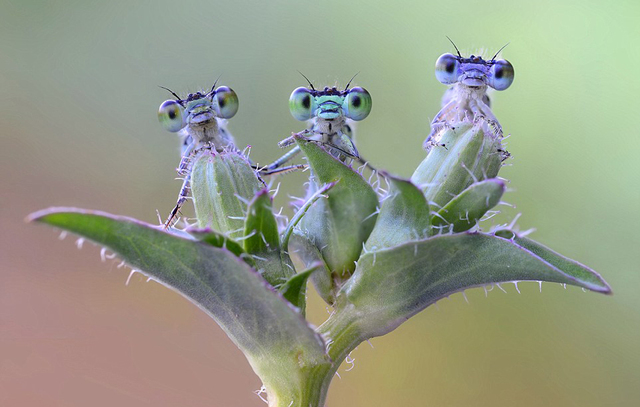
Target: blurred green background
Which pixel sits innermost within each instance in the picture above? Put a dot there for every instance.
(78, 127)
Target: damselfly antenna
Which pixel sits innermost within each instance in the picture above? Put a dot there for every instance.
(349, 83)
(454, 45)
(174, 94)
(494, 57)
(308, 81)
(214, 84)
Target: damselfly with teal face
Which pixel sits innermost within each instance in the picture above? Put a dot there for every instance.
(467, 98)
(201, 122)
(329, 112)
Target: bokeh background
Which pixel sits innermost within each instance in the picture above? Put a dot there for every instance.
(78, 98)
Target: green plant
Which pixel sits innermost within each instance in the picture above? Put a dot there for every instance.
(377, 257)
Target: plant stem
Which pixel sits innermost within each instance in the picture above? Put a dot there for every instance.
(342, 335)
(308, 385)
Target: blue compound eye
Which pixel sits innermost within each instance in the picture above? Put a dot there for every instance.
(170, 116)
(447, 69)
(226, 102)
(501, 75)
(357, 104)
(301, 104)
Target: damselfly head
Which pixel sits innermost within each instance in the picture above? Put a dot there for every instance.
(330, 103)
(474, 71)
(198, 108)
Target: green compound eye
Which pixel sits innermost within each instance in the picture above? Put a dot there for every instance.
(170, 115)
(447, 69)
(301, 104)
(501, 75)
(357, 104)
(226, 102)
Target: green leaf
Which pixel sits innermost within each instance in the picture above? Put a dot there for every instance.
(309, 255)
(262, 241)
(222, 184)
(320, 193)
(466, 209)
(260, 226)
(340, 224)
(391, 285)
(404, 216)
(572, 267)
(217, 239)
(294, 290)
(306, 251)
(273, 336)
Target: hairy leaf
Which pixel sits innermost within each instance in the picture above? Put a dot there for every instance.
(294, 290)
(565, 264)
(391, 285)
(338, 225)
(217, 239)
(465, 210)
(260, 226)
(258, 320)
(309, 255)
(404, 216)
(222, 184)
(262, 242)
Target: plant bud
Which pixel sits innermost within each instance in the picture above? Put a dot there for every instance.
(465, 153)
(334, 229)
(222, 185)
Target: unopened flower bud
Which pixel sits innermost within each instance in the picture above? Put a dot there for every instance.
(222, 185)
(464, 153)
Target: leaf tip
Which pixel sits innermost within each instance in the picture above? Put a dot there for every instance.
(499, 182)
(604, 288)
(42, 214)
(262, 192)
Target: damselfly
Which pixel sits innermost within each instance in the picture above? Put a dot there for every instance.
(201, 122)
(329, 112)
(467, 98)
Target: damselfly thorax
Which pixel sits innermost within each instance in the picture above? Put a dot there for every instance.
(467, 99)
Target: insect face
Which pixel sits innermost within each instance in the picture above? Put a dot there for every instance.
(329, 106)
(330, 103)
(474, 71)
(198, 109)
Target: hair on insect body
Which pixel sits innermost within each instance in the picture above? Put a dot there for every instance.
(466, 99)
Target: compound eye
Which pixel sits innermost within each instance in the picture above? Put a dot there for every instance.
(447, 69)
(226, 102)
(301, 104)
(357, 105)
(170, 115)
(501, 75)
